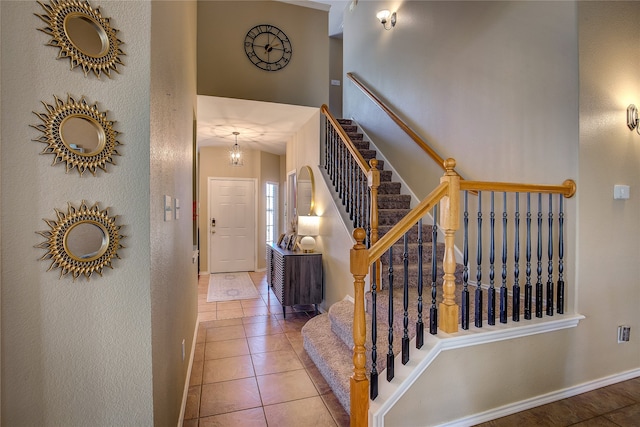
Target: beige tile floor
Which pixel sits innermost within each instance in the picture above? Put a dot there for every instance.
(250, 369)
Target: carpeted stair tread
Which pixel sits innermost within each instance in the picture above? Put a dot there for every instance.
(341, 317)
(413, 232)
(412, 248)
(360, 144)
(331, 356)
(385, 176)
(393, 201)
(389, 188)
(412, 273)
(391, 216)
(368, 154)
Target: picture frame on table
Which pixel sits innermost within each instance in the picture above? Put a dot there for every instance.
(280, 239)
(292, 242)
(285, 242)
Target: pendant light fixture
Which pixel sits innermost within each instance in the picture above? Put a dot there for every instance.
(235, 154)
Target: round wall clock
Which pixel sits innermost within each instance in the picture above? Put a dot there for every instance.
(268, 47)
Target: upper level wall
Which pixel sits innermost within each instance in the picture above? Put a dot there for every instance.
(225, 70)
(487, 83)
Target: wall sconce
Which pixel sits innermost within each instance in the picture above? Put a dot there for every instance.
(308, 226)
(235, 153)
(632, 118)
(387, 19)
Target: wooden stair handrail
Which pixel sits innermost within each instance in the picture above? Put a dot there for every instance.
(567, 189)
(362, 163)
(414, 136)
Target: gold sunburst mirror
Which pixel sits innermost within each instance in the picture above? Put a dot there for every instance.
(77, 134)
(83, 35)
(81, 241)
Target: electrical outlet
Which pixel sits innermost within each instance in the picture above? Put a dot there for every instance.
(183, 353)
(624, 333)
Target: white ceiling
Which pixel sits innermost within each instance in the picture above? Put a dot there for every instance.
(263, 126)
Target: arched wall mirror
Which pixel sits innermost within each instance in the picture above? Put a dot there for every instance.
(77, 134)
(83, 35)
(81, 241)
(305, 191)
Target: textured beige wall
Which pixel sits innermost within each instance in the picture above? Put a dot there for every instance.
(223, 66)
(174, 283)
(334, 241)
(74, 353)
(335, 73)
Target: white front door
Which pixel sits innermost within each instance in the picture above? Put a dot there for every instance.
(232, 225)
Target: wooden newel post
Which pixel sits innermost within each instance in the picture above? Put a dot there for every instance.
(359, 382)
(374, 183)
(450, 222)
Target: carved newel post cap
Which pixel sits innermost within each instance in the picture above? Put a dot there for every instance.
(359, 234)
(373, 163)
(449, 165)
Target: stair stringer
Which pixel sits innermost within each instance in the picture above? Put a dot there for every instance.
(389, 392)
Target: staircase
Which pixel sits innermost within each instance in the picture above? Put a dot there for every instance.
(328, 338)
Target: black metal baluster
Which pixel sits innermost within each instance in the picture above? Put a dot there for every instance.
(433, 311)
(560, 302)
(343, 173)
(550, 264)
(503, 287)
(491, 294)
(334, 163)
(367, 216)
(359, 200)
(515, 315)
(373, 378)
(352, 179)
(478, 295)
(390, 358)
(465, 263)
(527, 286)
(419, 323)
(539, 253)
(327, 139)
(405, 301)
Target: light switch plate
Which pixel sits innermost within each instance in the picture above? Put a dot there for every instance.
(620, 192)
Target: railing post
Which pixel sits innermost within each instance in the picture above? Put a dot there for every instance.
(373, 179)
(449, 217)
(359, 383)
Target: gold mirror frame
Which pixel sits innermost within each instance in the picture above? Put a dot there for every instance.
(57, 116)
(56, 242)
(59, 16)
(305, 192)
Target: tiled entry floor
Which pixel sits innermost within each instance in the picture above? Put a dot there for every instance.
(250, 368)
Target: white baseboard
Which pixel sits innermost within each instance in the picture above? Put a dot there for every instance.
(524, 405)
(185, 393)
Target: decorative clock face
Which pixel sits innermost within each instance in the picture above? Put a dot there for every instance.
(268, 47)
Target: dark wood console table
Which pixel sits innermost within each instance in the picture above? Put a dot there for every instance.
(296, 277)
